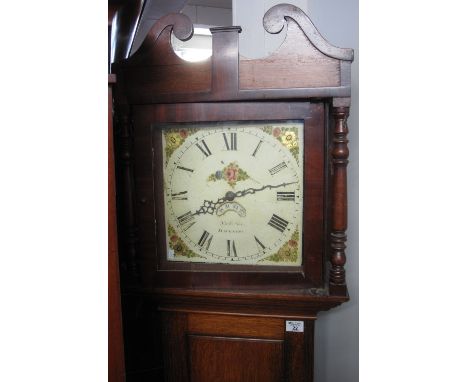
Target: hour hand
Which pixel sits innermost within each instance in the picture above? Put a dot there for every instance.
(208, 207)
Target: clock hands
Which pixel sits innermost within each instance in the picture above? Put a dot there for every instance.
(209, 206)
(247, 191)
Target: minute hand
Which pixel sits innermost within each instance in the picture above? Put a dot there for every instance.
(254, 190)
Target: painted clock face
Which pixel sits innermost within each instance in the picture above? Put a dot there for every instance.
(233, 192)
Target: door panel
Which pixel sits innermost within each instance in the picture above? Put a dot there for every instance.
(214, 359)
(205, 347)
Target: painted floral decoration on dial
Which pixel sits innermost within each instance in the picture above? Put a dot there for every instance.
(232, 173)
(233, 192)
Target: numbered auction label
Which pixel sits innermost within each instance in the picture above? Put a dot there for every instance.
(295, 326)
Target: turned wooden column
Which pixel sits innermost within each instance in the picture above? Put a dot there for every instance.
(339, 221)
(128, 191)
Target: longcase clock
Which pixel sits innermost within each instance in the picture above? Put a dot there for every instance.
(233, 201)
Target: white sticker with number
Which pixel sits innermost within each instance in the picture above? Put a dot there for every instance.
(295, 326)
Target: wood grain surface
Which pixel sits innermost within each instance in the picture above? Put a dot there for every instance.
(214, 359)
(296, 64)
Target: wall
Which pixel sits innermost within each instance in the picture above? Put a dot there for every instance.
(205, 15)
(337, 331)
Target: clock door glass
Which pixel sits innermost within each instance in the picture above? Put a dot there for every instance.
(233, 192)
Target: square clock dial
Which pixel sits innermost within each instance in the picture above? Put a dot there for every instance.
(233, 192)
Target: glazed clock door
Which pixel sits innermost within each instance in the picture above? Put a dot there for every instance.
(233, 192)
(229, 189)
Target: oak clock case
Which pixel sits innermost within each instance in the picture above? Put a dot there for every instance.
(233, 192)
(232, 176)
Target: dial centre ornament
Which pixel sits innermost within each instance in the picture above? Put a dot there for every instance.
(233, 192)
